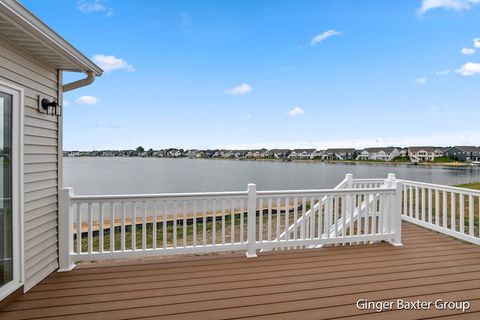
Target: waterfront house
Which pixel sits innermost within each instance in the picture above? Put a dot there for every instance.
(424, 153)
(464, 153)
(378, 153)
(278, 153)
(32, 60)
(302, 154)
(340, 154)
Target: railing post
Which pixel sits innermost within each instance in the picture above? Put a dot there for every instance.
(65, 231)
(395, 210)
(349, 178)
(251, 221)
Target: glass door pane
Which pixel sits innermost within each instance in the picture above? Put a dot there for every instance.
(6, 262)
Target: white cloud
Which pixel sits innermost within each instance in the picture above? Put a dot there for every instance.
(468, 51)
(443, 72)
(94, 6)
(476, 43)
(111, 63)
(456, 5)
(240, 89)
(469, 69)
(66, 103)
(323, 36)
(296, 112)
(88, 100)
(422, 80)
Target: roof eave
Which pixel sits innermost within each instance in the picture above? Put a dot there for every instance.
(34, 26)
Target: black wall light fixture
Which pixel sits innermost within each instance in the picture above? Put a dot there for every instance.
(49, 107)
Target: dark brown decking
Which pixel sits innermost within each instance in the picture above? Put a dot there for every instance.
(296, 284)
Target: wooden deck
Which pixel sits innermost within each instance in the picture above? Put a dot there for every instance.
(298, 284)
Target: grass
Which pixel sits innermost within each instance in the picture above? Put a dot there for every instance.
(473, 185)
(444, 160)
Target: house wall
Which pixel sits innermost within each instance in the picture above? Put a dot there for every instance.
(22, 69)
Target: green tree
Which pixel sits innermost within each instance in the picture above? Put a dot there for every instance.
(140, 149)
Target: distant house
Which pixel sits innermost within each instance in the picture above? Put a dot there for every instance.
(340, 154)
(464, 153)
(278, 153)
(302, 154)
(240, 153)
(382, 154)
(424, 153)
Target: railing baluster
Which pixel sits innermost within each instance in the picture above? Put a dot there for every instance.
(90, 227)
(287, 218)
(453, 211)
(423, 204)
(79, 228)
(410, 191)
(343, 215)
(232, 222)
(417, 203)
(194, 221)
(144, 226)
(429, 205)
(444, 200)
(335, 216)
(242, 215)
(471, 226)
(462, 213)
(133, 225)
(175, 212)
(154, 225)
(112, 228)
(320, 213)
(164, 225)
(278, 220)
(366, 216)
(312, 218)
(269, 231)
(204, 226)
(122, 227)
(437, 207)
(327, 216)
(302, 231)
(214, 221)
(100, 227)
(295, 217)
(223, 221)
(260, 219)
(184, 224)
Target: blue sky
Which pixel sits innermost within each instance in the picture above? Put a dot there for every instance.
(207, 74)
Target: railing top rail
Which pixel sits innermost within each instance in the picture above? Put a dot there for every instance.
(160, 196)
(442, 187)
(324, 192)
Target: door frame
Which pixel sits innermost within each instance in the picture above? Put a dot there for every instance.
(17, 94)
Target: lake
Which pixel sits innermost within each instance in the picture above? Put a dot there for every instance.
(89, 176)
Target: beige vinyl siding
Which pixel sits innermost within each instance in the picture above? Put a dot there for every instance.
(40, 159)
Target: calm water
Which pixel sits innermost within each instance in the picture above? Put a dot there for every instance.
(151, 175)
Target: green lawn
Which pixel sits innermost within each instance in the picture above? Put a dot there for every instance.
(473, 185)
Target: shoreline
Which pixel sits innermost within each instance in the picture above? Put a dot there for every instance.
(390, 163)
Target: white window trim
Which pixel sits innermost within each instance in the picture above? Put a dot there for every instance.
(17, 94)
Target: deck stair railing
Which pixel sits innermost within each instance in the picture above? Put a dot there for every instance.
(96, 227)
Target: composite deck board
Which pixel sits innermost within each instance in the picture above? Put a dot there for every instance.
(305, 284)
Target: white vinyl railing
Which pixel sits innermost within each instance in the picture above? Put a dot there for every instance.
(122, 226)
(449, 210)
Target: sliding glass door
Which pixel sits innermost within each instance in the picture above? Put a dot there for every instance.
(6, 212)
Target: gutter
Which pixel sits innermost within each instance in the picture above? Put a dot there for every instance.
(80, 83)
